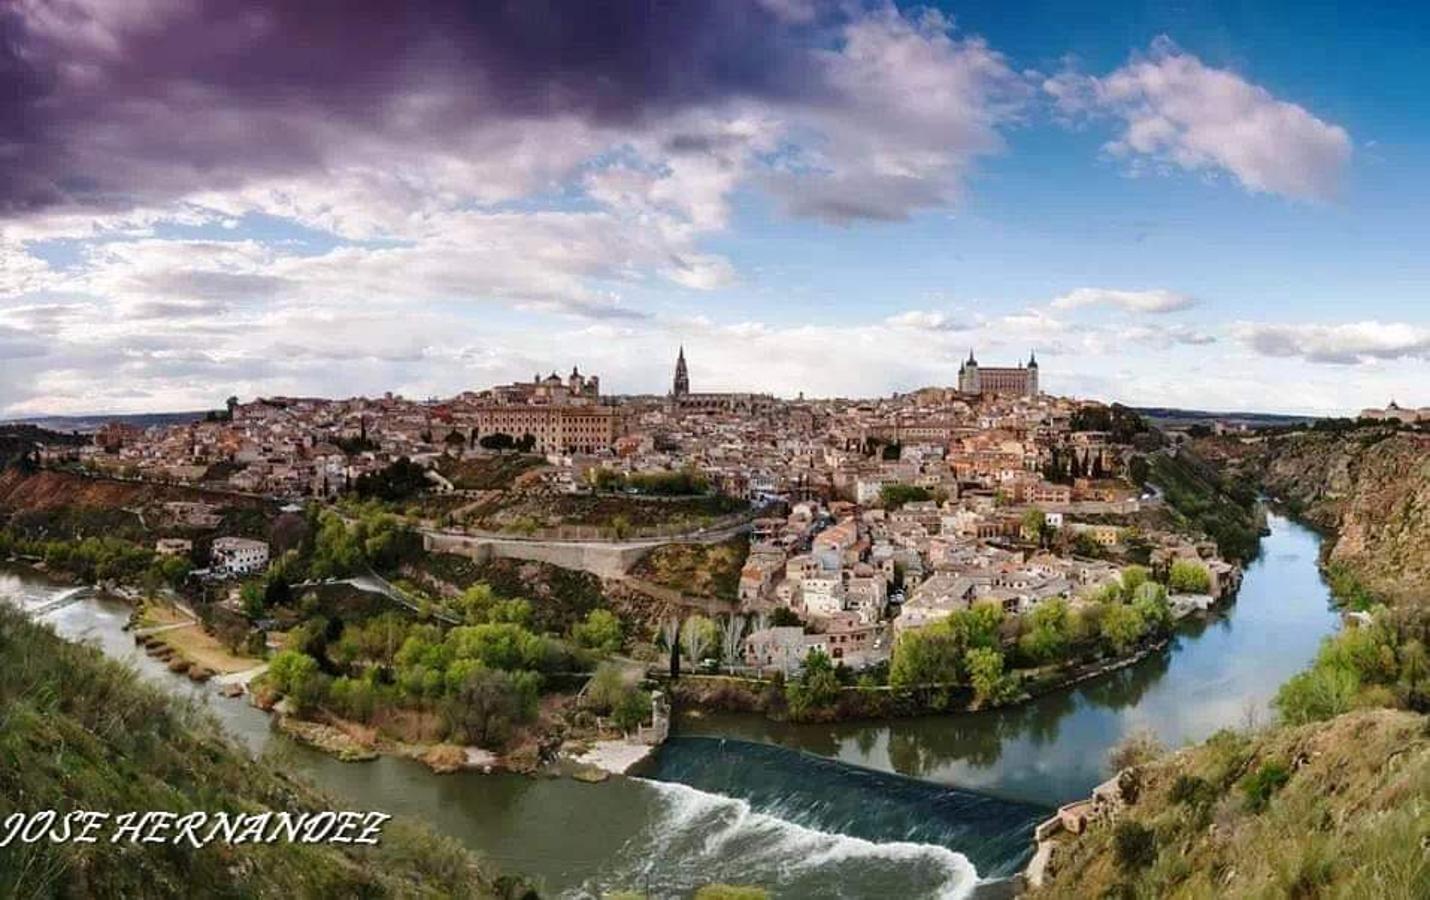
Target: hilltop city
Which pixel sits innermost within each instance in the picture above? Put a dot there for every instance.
(865, 518)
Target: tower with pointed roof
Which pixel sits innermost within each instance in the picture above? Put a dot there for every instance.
(681, 387)
(968, 381)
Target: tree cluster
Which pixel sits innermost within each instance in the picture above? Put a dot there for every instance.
(394, 483)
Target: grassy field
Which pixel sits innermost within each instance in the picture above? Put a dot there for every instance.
(190, 641)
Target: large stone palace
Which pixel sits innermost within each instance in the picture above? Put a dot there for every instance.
(1018, 381)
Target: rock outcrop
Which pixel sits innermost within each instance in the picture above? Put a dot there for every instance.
(1370, 486)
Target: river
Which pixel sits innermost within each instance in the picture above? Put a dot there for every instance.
(915, 807)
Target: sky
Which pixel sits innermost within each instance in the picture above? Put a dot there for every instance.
(1209, 205)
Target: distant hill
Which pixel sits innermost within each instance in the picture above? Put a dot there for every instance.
(1170, 417)
(18, 440)
(90, 424)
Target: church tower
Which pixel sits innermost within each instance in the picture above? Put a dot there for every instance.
(682, 377)
(1032, 386)
(968, 381)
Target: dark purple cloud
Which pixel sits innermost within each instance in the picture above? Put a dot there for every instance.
(108, 103)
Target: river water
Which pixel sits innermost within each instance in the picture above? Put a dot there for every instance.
(913, 808)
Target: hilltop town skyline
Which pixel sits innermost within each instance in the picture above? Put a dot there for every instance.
(830, 198)
(1022, 375)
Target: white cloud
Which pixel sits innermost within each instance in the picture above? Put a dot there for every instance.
(1150, 301)
(912, 108)
(1164, 335)
(927, 320)
(1178, 111)
(1344, 344)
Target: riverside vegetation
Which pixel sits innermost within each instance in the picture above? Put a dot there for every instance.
(78, 731)
(1334, 798)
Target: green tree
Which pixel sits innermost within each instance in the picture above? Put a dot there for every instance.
(1035, 525)
(982, 624)
(784, 617)
(1322, 692)
(1187, 577)
(606, 688)
(632, 710)
(1133, 577)
(816, 688)
(298, 677)
(600, 632)
(1122, 626)
(497, 441)
(985, 673)
(893, 496)
(697, 636)
(250, 598)
(1048, 631)
(928, 655)
(489, 705)
(1150, 601)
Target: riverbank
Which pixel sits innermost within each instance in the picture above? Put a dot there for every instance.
(124, 744)
(698, 694)
(711, 811)
(1216, 672)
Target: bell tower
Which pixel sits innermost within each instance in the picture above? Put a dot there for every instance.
(681, 387)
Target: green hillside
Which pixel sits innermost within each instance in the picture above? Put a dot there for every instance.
(80, 732)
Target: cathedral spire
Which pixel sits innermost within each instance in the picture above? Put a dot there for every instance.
(681, 385)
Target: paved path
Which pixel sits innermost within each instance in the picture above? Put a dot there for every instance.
(160, 629)
(243, 677)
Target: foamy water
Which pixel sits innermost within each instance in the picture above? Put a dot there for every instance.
(700, 838)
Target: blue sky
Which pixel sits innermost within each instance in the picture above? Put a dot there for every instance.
(1213, 205)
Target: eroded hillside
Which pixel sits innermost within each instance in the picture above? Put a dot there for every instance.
(1371, 486)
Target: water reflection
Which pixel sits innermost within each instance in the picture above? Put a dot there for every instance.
(1216, 673)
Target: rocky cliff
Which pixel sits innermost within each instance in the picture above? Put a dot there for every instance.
(1370, 486)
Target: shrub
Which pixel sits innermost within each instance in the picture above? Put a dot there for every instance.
(1188, 577)
(1320, 693)
(1260, 785)
(731, 892)
(633, 709)
(1136, 749)
(1135, 845)
(894, 496)
(816, 688)
(1189, 790)
(600, 632)
(1122, 626)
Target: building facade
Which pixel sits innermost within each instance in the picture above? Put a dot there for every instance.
(557, 429)
(681, 397)
(239, 556)
(1018, 381)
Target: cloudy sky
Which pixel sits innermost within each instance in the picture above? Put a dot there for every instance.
(1194, 204)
